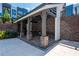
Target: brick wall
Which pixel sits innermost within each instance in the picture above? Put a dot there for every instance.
(49, 25)
(70, 27)
(8, 26)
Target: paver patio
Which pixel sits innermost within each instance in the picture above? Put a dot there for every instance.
(16, 47)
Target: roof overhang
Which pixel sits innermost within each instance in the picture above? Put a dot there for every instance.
(46, 6)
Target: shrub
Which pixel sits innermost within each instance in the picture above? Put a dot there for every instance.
(11, 34)
(2, 34)
(8, 34)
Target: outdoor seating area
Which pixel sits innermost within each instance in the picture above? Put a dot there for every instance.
(41, 27)
(36, 32)
(46, 30)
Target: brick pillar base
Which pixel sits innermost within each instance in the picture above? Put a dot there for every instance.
(44, 41)
(29, 36)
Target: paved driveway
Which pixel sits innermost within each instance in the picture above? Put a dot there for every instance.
(16, 47)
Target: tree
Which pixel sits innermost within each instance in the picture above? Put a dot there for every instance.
(0, 19)
(6, 16)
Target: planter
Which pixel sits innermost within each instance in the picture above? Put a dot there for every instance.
(44, 41)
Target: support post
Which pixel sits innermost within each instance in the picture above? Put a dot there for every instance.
(44, 38)
(57, 24)
(29, 29)
(44, 16)
(21, 29)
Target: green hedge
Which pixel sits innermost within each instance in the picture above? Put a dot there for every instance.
(8, 34)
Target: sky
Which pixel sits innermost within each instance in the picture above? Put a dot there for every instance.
(28, 6)
(0, 8)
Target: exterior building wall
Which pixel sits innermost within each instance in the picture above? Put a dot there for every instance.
(77, 7)
(6, 6)
(14, 13)
(69, 10)
(21, 12)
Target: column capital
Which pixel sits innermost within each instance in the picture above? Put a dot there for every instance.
(43, 13)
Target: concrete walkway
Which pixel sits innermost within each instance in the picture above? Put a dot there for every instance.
(65, 48)
(16, 47)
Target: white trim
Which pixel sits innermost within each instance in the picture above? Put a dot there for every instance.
(57, 24)
(41, 9)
